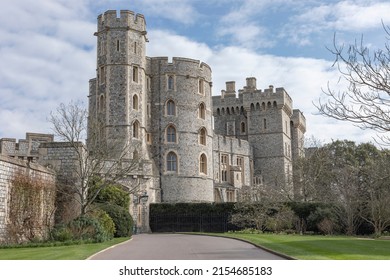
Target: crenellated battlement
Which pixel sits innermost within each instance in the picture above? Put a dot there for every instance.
(127, 19)
(176, 61)
(251, 95)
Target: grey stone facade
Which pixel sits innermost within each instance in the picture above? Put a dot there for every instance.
(201, 148)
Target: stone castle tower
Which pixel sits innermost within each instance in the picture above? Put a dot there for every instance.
(191, 146)
(266, 120)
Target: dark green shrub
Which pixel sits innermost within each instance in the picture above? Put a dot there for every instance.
(121, 218)
(87, 228)
(61, 233)
(105, 221)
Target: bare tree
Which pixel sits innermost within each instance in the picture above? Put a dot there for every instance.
(365, 102)
(110, 161)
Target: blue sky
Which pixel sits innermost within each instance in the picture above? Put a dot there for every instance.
(48, 51)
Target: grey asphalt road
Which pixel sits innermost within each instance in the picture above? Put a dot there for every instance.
(184, 247)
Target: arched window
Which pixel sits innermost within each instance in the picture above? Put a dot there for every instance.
(135, 102)
(202, 136)
(171, 134)
(203, 164)
(171, 161)
(275, 104)
(135, 74)
(136, 129)
(269, 104)
(202, 111)
(201, 86)
(252, 107)
(101, 103)
(257, 106)
(170, 82)
(243, 127)
(171, 108)
(218, 112)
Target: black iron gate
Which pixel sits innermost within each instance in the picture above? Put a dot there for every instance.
(190, 223)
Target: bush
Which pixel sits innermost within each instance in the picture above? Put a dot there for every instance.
(105, 221)
(121, 218)
(61, 233)
(87, 228)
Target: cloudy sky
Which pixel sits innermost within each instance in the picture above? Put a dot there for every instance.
(48, 51)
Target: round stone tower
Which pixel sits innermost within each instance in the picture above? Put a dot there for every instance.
(182, 132)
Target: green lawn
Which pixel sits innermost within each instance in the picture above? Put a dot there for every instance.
(310, 247)
(72, 252)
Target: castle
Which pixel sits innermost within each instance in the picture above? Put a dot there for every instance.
(189, 146)
(193, 147)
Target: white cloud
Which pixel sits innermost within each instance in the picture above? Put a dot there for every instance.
(348, 16)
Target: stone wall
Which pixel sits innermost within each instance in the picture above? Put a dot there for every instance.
(9, 167)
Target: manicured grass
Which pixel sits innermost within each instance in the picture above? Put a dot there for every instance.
(71, 252)
(309, 247)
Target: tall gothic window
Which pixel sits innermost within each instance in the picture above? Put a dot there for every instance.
(201, 86)
(203, 164)
(171, 134)
(171, 108)
(135, 74)
(202, 111)
(135, 102)
(171, 81)
(171, 161)
(202, 136)
(136, 129)
(243, 127)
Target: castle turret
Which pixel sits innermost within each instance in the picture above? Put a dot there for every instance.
(182, 134)
(117, 95)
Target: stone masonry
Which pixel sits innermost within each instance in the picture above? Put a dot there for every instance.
(8, 168)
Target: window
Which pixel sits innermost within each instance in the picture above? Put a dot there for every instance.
(117, 45)
(102, 75)
(201, 86)
(171, 161)
(136, 129)
(135, 47)
(230, 196)
(101, 103)
(171, 82)
(202, 111)
(135, 74)
(243, 127)
(202, 136)
(171, 134)
(265, 124)
(224, 159)
(203, 164)
(135, 102)
(171, 108)
(148, 83)
(224, 175)
(148, 138)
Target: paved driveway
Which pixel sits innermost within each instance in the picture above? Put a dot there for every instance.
(184, 247)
